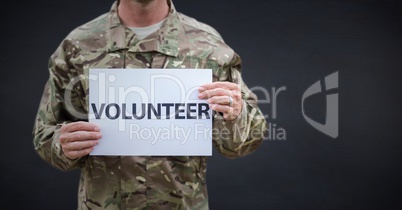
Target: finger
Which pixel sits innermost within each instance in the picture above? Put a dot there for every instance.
(225, 85)
(78, 154)
(215, 92)
(79, 126)
(79, 136)
(220, 108)
(225, 110)
(79, 145)
(229, 113)
(224, 100)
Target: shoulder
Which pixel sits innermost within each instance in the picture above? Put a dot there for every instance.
(90, 36)
(197, 25)
(205, 41)
(90, 28)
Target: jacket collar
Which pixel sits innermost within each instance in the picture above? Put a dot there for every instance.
(164, 41)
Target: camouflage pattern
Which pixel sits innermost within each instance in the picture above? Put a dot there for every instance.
(114, 182)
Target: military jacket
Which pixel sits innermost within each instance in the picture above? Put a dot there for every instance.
(141, 182)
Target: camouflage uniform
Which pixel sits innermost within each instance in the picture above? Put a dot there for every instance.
(132, 182)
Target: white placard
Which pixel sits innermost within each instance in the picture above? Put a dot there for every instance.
(150, 112)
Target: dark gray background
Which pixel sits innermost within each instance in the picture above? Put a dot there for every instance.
(291, 43)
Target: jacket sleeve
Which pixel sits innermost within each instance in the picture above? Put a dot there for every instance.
(244, 134)
(53, 112)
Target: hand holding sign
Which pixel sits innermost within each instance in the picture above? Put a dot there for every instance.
(224, 97)
(78, 139)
